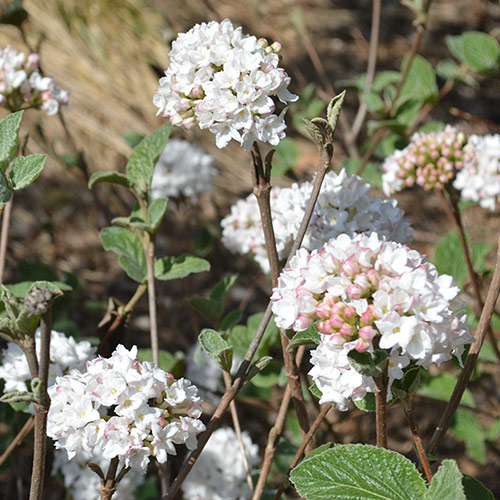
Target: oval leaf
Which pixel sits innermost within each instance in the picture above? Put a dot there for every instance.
(217, 348)
(171, 268)
(480, 51)
(113, 177)
(9, 128)
(25, 169)
(446, 483)
(5, 189)
(310, 336)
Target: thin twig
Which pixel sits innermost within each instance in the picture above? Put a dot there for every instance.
(4, 236)
(150, 255)
(18, 439)
(370, 70)
(417, 438)
(463, 379)
(381, 384)
(321, 416)
(237, 430)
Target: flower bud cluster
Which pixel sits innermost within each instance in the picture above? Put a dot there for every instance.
(479, 180)
(22, 86)
(367, 294)
(225, 81)
(65, 354)
(219, 472)
(182, 170)
(344, 206)
(430, 160)
(123, 408)
(83, 484)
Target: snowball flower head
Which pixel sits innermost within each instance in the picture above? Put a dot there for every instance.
(22, 86)
(225, 81)
(365, 292)
(123, 408)
(344, 206)
(83, 484)
(479, 180)
(65, 354)
(430, 160)
(182, 170)
(219, 473)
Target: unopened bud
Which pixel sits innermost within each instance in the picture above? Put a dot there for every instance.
(38, 301)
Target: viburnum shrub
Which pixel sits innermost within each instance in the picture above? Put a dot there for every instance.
(361, 317)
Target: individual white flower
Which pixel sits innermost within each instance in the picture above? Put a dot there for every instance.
(22, 86)
(123, 408)
(431, 160)
(83, 484)
(479, 180)
(182, 170)
(219, 473)
(225, 81)
(344, 206)
(367, 293)
(65, 354)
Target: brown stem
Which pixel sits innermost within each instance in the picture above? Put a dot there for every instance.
(370, 70)
(463, 379)
(18, 439)
(381, 409)
(41, 411)
(326, 408)
(450, 207)
(417, 438)
(108, 484)
(473, 118)
(237, 430)
(4, 236)
(150, 255)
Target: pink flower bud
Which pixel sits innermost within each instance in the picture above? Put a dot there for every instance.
(347, 330)
(362, 346)
(335, 321)
(354, 292)
(277, 47)
(367, 333)
(350, 314)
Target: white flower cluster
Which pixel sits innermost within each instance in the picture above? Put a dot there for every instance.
(344, 206)
(182, 170)
(430, 160)
(224, 81)
(123, 408)
(479, 180)
(22, 86)
(65, 354)
(219, 473)
(83, 484)
(366, 292)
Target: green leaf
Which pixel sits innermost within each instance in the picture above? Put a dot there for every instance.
(480, 51)
(446, 483)
(126, 244)
(133, 138)
(333, 110)
(367, 403)
(264, 380)
(474, 490)
(373, 101)
(420, 83)
(493, 432)
(455, 45)
(366, 364)
(361, 472)
(19, 289)
(9, 128)
(5, 189)
(384, 79)
(231, 319)
(168, 362)
(25, 169)
(448, 69)
(144, 156)
(171, 268)
(466, 428)
(285, 157)
(217, 348)
(307, 337)
(313, 389)
(406, 386)
(112, 176)
(441, 387)
(156, 212)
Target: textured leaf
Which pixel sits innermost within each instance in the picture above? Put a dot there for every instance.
(307, 337)
(333, 110)
(171, 268)
(455, 45)
(358, 472)
(474, 490)
(366, 364)
(217, 348)
(9, 128)
(126, 244)
(5, 189)
(480, 51)
(421, 82)
(25, 169)
(446, 483)
(156, 212)
(112, 176)
(267, 379)
(144, 156)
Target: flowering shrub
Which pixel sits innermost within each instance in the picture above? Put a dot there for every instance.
(219, 473)
(430, 161)
(123, 408)
(344, 206)
(22, 85)
(367, 293)
(479, 180)
(66, 354)
(182, 170)
(225, 81)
